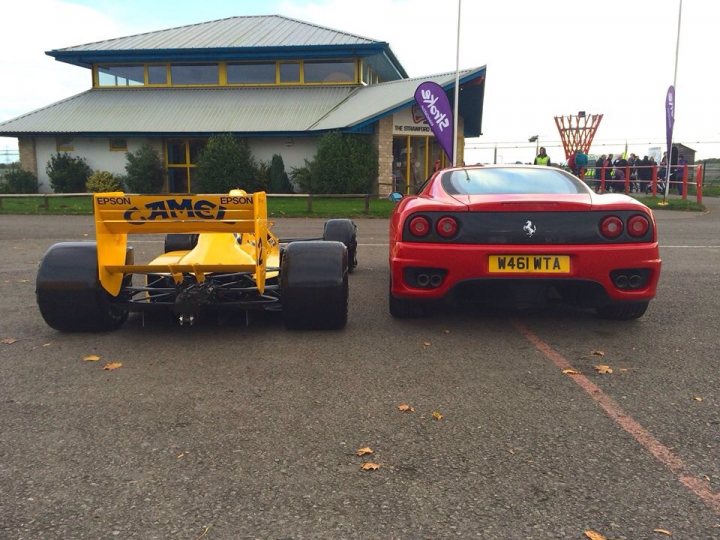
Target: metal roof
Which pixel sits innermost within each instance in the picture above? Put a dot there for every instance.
(248, 110)
(251, 31)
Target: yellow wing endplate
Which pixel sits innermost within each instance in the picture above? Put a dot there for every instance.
(118, 214)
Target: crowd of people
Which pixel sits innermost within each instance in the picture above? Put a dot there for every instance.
(613, 171)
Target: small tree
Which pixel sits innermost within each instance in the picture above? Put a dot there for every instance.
(144, 170)
(102, 181)
(343, 164)
(279, 180)
(17, 180)
(226, 163)
(67, 174)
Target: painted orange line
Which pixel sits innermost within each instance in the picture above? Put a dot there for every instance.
(661, 452)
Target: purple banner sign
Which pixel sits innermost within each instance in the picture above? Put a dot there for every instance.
(435, 106)
(669, 119)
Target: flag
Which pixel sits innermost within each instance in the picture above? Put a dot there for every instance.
(669, 118)
(435, 106)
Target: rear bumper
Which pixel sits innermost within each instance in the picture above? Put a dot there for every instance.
(458, 264)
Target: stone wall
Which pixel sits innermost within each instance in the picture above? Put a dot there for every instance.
(28, 157)
(383, 141)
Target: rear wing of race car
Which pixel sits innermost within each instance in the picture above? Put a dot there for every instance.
(118, 214)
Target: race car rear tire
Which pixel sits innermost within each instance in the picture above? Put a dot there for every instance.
(314, 285)
(345, 231)
(180, 242)
(69, 293)
(624, 311)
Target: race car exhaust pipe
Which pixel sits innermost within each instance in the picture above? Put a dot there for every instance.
(435, 280)
(423, 280)
(621, 281)
(636, 281)
(186, 319)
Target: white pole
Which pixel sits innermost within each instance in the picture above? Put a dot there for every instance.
(677, 53)
(457, 92)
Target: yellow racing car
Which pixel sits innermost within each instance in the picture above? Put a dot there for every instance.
(219, 255)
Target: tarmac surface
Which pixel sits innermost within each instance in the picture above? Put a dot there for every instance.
(231, 431)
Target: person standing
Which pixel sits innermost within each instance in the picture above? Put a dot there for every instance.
(542, 158)
(581, 161)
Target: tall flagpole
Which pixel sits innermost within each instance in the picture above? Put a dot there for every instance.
(457, 91)
(677, 53)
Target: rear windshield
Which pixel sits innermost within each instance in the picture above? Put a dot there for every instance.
(520, 180)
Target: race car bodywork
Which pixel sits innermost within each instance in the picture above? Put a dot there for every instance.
(220, 254)
(521, 236)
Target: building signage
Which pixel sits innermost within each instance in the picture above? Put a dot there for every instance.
(411, 121)
(436, 107)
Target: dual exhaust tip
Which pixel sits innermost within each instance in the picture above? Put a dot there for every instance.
(630, 279)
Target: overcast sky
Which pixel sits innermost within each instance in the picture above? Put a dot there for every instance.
(544, 59)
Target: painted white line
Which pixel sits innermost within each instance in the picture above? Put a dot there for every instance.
(690, 247)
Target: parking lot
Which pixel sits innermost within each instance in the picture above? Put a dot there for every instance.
(234, 431)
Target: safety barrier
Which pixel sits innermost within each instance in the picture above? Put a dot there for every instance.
(629, 181)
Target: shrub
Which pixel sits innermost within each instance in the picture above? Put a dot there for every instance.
(144, 170)
(279, 181)
(17, 180)
(67, 174)
(226, 163)
(101, 181)
(343, 164)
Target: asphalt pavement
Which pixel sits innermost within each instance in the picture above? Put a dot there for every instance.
(227, 430)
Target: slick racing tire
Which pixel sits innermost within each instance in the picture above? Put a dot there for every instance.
(624, 311)
(69, 293)
(314, 285)
(180, 242)
(345, 231)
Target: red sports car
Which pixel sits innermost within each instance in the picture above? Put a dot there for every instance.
(521, 235)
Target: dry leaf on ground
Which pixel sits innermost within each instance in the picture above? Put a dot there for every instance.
(404, 407)
(369, 466)
(364, 451)
(437, 416)
(570, 372)
(663, 531)
(698, 398)
(426, 344)
(9, 341)
(594, 535)
(112, 365)
(598, 353)
(603, 369)
(91, 358)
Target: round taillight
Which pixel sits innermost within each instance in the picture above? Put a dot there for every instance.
(447, 227)
(611, 227)
(638, 226)
(419, 226)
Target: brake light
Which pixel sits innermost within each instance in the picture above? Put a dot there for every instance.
(447, 227)
(638, 226)
(611, 227)
(419, 226)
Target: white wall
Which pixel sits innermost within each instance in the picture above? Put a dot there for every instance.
(293, 150)
(95, 150)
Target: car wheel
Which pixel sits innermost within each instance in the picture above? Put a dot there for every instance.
(69, 293)
(345, 231)
(623, 311)
(180, 242)
(314, 285)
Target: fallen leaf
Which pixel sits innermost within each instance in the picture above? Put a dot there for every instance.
(698, 398)
(603, 369)
(91, 358)
(598, 353)
(364, 451)
(404, 407)
(570, 372)
(426, 344)
(180, 455)
(9, 341)
(112, 365)
(594, 535)
(46, 344)
(663, 531)
(437, 416)
(446, 331)
(369, 466)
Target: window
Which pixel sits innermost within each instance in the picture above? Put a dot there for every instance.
(182, 156)
(121, 75)
(317, 72)
(157, 74)
(118, 145)
(206, 74)
(64, 144)
(289, 72)
(251, 73)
